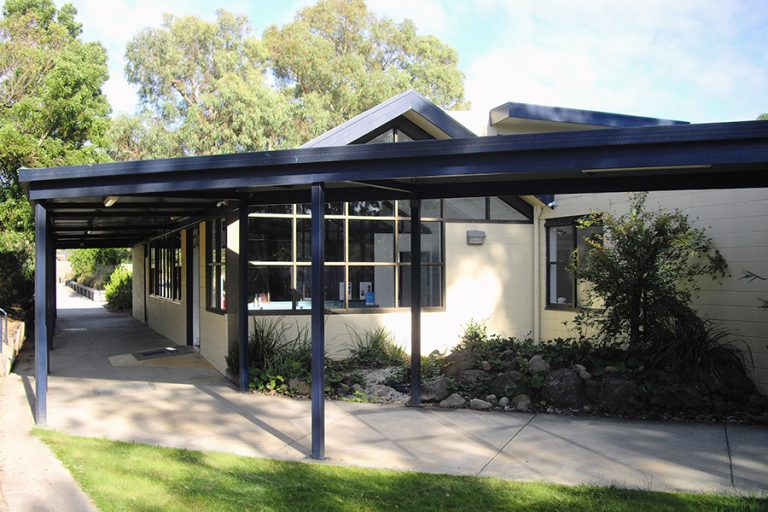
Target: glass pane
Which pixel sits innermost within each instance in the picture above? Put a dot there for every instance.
(222, 240)
(429, 208)
(269, 288)
(371, 240)
(584, 234)
(269, 239)
(469, 208)
(560, 284)
(334, 287)
(383, 138)
(334, 240)
(561, 241)
(372, 287)
(330, 209)
(402, 137)
(372, 208)
(271, 208)
(501, 210)
(431, 286)
(430, 242)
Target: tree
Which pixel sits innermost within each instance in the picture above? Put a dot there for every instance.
(52, 112)
(341, 56)
(214, 88)
(763, 117)
(644, 270)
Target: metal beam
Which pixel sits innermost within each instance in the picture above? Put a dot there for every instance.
(318, 321)
(415, 303)
(242, 261)
(41, 328)
(124, 214)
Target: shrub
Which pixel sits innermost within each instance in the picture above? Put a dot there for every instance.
(16, 270)
(92, 267)
(375, 348)
(118, 291)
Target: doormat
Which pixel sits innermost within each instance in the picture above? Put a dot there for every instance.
(162, 352)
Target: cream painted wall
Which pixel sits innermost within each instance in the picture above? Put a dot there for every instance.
(166, 316)
(138, 283)
(737, 221)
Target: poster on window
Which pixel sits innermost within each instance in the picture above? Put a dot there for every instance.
(365, 288)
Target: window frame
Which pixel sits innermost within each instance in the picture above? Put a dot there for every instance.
(559, 222)
(166, 267)
(216, 225)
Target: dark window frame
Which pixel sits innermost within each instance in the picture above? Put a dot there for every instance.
(165, 272)
(215, 258)
(560, 222)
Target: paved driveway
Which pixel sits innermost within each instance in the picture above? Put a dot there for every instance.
(194, 407)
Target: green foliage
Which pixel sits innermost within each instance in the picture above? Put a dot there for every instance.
(763, 117)
(646, 271)
(118, 291)
(93, 267)
(203, 91)
(375, 348)
(16, 270)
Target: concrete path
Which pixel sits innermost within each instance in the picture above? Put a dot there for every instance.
(196, 408)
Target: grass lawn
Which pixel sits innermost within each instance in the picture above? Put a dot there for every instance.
(128, 476)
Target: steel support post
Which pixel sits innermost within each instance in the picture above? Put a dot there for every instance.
(318, 322)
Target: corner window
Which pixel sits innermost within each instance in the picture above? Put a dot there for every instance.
(215, 265)
(564, 236)
(165, 267)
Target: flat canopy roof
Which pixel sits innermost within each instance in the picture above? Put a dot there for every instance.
(154, 196)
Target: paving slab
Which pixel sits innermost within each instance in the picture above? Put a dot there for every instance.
(645, 455)
(749, 456)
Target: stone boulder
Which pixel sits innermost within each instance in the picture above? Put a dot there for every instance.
(521, 403)
(618, 395)
(537, 364)
(563, 387)
(435, 390)
(480, 405)
(382, 393)
(459, 361)
(503, 401)
(453, 402)
(299, 386)
(510, 383)
(471, 377)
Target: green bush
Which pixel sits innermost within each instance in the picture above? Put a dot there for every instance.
(118, 291)
(375, 348)
(16, 270)
(93, 267)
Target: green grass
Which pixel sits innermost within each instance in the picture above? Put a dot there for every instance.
(123, 476)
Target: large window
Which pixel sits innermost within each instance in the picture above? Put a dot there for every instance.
(564, 236)
(165, 267)
(215, 264)
(367, 256)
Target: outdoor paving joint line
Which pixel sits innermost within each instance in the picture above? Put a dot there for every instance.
(505, 445)
(728, 448)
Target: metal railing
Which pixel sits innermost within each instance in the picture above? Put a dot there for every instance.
(4, 337)
(87, 292)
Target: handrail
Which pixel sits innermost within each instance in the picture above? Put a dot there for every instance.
(86, 291)
(4, 334)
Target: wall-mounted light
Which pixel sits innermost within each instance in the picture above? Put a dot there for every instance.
(110, 200)
(475, 237)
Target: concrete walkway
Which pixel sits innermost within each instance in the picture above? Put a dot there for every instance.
(196, 408)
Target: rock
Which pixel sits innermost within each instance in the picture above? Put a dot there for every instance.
(457, 362)
(454, 401)
(578, 368)
(757, 404)
(537, 364)
(471, 377)
(480, 405)
(435, 390)
(491, 398)
(521, 403)
(510, 383)
(485, 365)
(357, 388)
(586, 408)
(343, 390)
(563, 387)
(380, 392)
(734, 384)
(585, 375)
(503, 401)
(299, 386)
(610, 369)
(618, 395)
(592, 390)
(377, 375)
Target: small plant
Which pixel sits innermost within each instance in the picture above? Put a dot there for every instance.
(375, 348)
(118, 291)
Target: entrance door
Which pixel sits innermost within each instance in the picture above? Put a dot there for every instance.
(196, 288)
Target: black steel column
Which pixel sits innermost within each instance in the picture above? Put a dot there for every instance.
(242, 261)
(415, 302)
(189, 262)
(318, 322)
(41, 314)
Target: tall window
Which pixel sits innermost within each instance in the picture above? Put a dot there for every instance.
(367, 252)
(165, 267)
(564, 236)
(215, 264)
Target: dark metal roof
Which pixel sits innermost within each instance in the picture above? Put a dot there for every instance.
(172, 192)
(573, 116)
(407, 103)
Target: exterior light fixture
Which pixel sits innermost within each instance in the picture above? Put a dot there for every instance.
(110, 200)
(475, 237)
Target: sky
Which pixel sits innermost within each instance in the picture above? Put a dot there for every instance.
(693, 60)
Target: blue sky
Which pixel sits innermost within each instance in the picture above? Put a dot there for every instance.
(695, 60)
